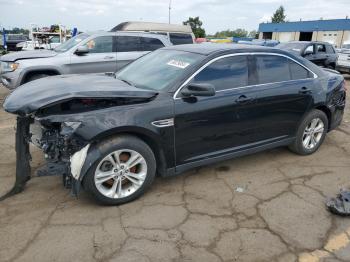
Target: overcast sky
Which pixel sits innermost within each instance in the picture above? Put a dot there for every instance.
(216, 15)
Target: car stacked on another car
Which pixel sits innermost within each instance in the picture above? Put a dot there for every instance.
(174, 109)
(320, 53)
(98, 52)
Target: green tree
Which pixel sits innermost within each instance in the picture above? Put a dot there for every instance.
(196, 26)
(279, 16)
(239, 32)
(253, 34)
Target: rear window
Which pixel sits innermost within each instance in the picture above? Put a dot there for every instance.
(150, 44)
(180, 39)
(128, 43)
(272, 69)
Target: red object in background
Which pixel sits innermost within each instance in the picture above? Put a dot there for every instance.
(201, 40)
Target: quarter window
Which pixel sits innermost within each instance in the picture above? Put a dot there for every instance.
(101, 44)
(297, 71)
(180, 39)
(225, 73)
(272, 69)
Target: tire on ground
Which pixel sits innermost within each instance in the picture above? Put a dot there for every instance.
(297, 146)
(113, 144)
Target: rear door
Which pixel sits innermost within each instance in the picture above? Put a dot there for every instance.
(321, 55)
(282, 94)
(130, 48)
(100, 58)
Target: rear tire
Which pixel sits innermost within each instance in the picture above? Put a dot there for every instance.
(311, 133)
(126, 180)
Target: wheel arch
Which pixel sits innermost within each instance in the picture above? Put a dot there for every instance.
(328, 113)
(144, 135)
(48, 71)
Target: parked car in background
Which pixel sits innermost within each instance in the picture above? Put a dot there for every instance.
(174, 109)
(99, 52)
(343, 62)
(261, 42)
(52, 43)
(13, 39)
(320, 53)
(177, 34)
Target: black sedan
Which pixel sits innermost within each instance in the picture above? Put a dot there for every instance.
(172, 110)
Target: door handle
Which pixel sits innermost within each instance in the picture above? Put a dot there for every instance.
(243, 99)
(304, 90)
(108, 57)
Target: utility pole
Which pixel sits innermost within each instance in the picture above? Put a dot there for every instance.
(169, 9)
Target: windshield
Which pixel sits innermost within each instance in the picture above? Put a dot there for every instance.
(71, 43)
(159, 69)
(291, 46)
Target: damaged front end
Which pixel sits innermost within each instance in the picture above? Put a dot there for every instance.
(49, 115)
(64, 153)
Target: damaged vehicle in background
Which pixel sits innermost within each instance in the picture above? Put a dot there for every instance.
(343, 63)
(172, 110)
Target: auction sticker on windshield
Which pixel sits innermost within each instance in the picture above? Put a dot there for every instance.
(179, 64)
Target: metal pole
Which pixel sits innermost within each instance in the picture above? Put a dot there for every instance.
(169, 9)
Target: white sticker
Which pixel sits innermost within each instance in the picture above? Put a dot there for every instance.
(296, 49)
(179, 64)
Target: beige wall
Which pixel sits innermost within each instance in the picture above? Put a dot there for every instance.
(335, 37)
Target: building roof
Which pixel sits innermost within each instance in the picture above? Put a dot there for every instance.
(306, 26)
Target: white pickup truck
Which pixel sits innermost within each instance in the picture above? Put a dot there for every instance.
(343, 63)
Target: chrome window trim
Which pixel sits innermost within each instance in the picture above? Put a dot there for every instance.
(240, 54)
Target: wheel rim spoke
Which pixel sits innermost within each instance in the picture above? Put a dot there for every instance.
(135, 159)
(120, 182)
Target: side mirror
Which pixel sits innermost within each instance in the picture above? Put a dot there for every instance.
(201, 89)
(81, 50)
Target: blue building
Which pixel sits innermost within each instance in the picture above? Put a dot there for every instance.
(335, 31)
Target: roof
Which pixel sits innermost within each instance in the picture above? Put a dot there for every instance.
(150, 26)
(306, 26)
(210, 48)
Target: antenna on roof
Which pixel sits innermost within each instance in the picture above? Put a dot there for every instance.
(169, 9)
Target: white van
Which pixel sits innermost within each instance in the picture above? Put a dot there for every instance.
(177, 34)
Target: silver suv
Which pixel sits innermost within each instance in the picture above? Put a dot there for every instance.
(99, 52)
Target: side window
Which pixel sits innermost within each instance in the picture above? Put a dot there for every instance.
(330, 49)
(297, 71)
(150, 44)
(321, 48)
(128, 43)
(272, 68)
(310, 49)
(180, 39)
(101, 44)
(226, 73)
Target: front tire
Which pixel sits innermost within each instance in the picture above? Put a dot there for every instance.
(311, 133)
(125, 170)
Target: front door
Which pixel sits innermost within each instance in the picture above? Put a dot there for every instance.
(101, 57)
(207, 126)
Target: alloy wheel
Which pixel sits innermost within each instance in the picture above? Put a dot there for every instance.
(313, 133)
(120, 174)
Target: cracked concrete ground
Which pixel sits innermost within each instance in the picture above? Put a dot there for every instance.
(263, 207)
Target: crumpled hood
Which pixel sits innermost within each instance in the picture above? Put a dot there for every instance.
(40, 93)
(28, 55)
